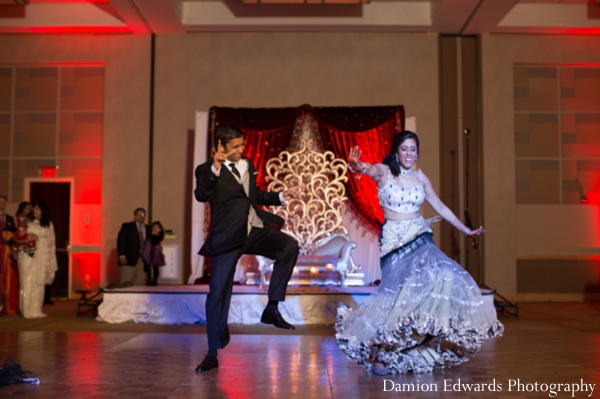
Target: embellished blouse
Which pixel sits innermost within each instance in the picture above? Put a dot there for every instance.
(399, 199)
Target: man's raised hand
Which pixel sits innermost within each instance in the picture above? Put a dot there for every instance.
(220, 156)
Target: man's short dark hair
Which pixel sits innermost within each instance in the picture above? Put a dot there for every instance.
(137, 210)
(226, 133)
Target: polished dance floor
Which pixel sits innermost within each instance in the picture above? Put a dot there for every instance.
(552, 347)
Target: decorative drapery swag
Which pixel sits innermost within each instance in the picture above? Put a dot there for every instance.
(268, 131)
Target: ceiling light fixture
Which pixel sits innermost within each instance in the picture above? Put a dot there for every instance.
(14, 2)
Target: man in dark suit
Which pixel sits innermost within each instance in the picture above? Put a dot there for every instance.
(228, 183)
(7, 222)
(130, 243)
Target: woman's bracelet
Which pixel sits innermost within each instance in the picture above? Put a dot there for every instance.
(361, 164)
(467, 231)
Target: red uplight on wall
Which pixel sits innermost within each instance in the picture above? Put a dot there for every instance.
(48, 171)
(86, 271)
(592, 198)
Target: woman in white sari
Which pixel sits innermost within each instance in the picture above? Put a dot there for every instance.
(38, 270)
(427, 312)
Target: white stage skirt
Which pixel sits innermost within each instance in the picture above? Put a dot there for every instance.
(185, 304)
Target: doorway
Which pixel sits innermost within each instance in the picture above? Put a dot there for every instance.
(58, 195)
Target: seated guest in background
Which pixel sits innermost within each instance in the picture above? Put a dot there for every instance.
(130, 242)
(152, 252)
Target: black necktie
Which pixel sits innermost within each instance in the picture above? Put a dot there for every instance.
(141, 234)
(234, 170)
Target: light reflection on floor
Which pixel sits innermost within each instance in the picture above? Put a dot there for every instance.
(549, 343)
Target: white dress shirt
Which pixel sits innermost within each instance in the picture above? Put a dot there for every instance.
(242, 167)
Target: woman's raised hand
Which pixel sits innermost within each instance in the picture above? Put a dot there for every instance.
(354, 160)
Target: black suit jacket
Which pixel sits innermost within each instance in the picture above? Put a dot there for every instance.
(9, 223)
(128, 242)
(229, 206)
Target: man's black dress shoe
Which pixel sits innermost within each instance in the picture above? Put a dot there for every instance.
(210, 362)
(276, 319)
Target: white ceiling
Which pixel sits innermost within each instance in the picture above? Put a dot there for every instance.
(466, 17)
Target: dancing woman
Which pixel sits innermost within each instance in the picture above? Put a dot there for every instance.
(427, 312)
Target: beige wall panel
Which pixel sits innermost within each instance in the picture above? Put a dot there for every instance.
(197, 71)
(126, 118)
(499, 54)
(542, 276)
(557, 230)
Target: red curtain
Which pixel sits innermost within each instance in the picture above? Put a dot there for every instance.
(268, 131)
(370, 128)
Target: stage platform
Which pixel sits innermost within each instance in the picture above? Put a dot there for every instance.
(185, 304)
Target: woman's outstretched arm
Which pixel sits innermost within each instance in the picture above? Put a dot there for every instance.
(436, 203)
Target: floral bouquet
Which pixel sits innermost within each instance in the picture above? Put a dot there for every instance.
(18, 245)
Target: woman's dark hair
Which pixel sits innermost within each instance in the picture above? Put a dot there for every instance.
(226, 133)
(21, 207)
(391, 160)
(162, 230)
(46, 215)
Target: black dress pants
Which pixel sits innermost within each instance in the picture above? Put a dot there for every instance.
(266, 241)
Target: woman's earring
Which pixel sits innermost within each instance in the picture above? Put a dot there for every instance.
(397, 158)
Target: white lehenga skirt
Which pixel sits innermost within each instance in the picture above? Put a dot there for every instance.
(427, 312)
